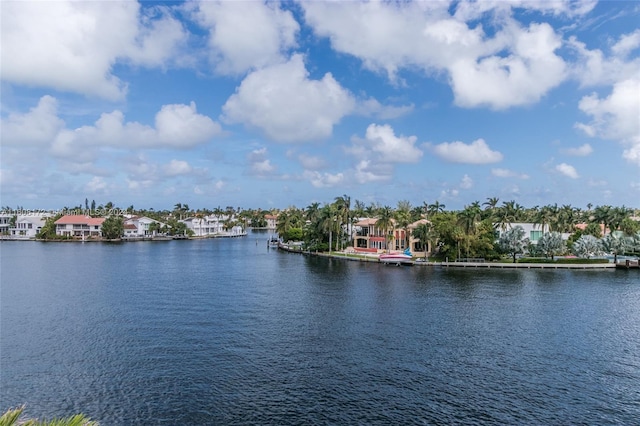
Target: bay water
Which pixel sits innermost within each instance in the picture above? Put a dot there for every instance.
(229, 331)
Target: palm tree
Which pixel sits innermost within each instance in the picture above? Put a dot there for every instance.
(469, 219)
(424, 233)
(328, 222)
(358, 208)
(508, 213)
(542, 217)
(436, 207)
(343, 205)
(566, 218)
(491, 203)
(385, 222)
(618, 215)
(604, 215)
(312, 212)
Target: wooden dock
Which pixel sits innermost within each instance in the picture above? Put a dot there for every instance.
(528, 265)
(628, 264)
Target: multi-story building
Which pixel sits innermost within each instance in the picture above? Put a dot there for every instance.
(79, 226)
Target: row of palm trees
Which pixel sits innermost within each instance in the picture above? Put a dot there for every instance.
(473, 228)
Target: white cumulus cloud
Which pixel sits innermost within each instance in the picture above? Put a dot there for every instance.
(39, 126)
(73, 45)
(323, 180)
(246, 35)
(177, 167)
(381, 139)
(259, 163)
(567, 170)
(616, 117)
(506, 173)
(477, 152)
(512, 66)
(581, 151)
(466, 182)
(288, 106)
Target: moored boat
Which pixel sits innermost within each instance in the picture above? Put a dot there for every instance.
(397, 258)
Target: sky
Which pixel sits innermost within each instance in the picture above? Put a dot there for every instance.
(277, 104)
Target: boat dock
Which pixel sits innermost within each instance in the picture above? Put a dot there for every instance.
(628, 264)
(527, 265)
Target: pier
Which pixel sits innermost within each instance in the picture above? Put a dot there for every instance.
(628, 264)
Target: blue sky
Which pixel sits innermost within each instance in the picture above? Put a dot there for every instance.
(254, 104)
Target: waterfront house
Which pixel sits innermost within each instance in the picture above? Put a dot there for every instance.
(415, 244)
(272, 221)
(79, 226)
(213, 225)
(130, 230)
(532, 231)
(368, 237)
(27, 226)
(140, 227)
(5, 223)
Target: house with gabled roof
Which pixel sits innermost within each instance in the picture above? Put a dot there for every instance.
(27, 226)
(79, 226)
(140, 227)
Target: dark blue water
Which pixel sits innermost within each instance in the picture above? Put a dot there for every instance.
(226, 331)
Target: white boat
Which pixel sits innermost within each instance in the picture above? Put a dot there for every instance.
(397, 258)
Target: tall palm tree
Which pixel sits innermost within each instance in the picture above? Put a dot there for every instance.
(604, 215)
(507, 213)
(385, 222)
(542, 217)
(618, 215)
(358, 208)
(436, 207)
(424, 233)
(468, 219)
(312, 212)
(328, 222)
(343, 205)
(491, 203)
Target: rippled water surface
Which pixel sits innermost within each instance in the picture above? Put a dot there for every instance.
(226, 331)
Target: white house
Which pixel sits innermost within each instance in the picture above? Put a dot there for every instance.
(5, 223)
(27, 226)
(79, 226)
(209, 226)
(532, 231)
(139, 227)
(272, 221)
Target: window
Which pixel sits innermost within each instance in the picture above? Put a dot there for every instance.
(535, 235)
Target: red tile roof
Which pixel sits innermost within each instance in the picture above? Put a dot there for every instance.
(79, 220)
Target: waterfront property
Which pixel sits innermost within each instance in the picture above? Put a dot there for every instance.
(368, 235)
(141, 227)
(213, 225)
(5, 223)
(532, 231)
(272, 221)
(79, 226)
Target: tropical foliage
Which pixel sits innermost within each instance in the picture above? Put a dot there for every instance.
(513, 242)
(472, 232)
(12, 417)
(587, 246)
(113, 227)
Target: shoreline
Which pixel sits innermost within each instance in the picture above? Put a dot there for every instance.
(464, 265)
